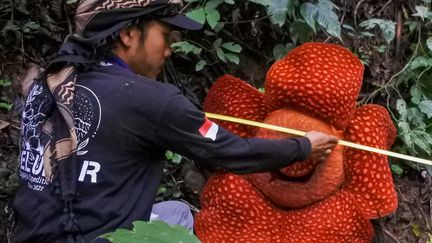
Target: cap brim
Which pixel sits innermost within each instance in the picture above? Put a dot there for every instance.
(182, 22)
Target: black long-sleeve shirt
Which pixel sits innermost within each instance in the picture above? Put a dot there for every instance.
(124, 124)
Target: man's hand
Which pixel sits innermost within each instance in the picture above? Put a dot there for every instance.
(322, 145)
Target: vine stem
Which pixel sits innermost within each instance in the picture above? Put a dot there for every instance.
(390, 82)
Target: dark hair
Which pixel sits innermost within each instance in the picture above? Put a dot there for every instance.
(112, 41)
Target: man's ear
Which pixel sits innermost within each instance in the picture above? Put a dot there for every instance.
(127, 36)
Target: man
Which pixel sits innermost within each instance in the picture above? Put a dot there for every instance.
(96, 125)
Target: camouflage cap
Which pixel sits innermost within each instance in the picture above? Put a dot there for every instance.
(94, 16)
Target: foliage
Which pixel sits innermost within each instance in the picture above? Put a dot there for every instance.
(388, 27)
(5, 103)
(415, 113)
(150, 232)
(301, 20)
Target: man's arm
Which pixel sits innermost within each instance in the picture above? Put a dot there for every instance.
(184, 129)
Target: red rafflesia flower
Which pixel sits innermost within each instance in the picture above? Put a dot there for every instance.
(314, 87)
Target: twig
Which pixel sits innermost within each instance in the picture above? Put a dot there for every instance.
(390, 82)
(355, 12)
(246, 21)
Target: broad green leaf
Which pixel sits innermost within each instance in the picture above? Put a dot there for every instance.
(415, 117)
(416, 94)
(217, 43)
(176, 158)
(262, 2)
(198, 15)
(5, 106)
(328, 19)
(387, 27)
(200, 65)
(422, 12)
(308, 11)
(219, 26)
(397, 169)
(429, 43)
(423, 140)
(150, 232)
(231, 46)
(221, 54)
(232, 58)
(420, 62)
(186, 47)
(300, 31)
(71, 1)
(30, 26)
(426, 107)
(212, 16)
(229, 1)
(213, 4)
(278, 10)
(401, 108)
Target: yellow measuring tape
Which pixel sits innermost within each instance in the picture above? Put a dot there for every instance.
(300, 133)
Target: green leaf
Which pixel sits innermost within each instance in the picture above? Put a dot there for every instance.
(186, 47)
(328, 19)
(153, 231)
(221, 54)
(191, 1)
(176, 158)
(426, 107)
(429, 43)
(415, 117)
(5, 106)
(387, 27)
(200, 65)
(212, 16)
(232, 58)
(422, 12)
(397, 169)
(231, 46)
(198, 15)
(213, 4)
(5, 83)
(300, 31)
(280, 50)
(217, 43)
(169, 155)
(278, 10)
(416, 94)
(402, 109)
(308, 11)
(423, 140)
(71, 1)
(420, 62)
(261, 2)
(219, 26)
(229, 2)
(413, 25)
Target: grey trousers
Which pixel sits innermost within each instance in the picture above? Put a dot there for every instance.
(173, 212)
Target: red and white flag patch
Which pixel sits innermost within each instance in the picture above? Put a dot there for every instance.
(209, 129)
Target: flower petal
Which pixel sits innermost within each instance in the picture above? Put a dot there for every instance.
(233, 97)
(368, 174)
(322, 80)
